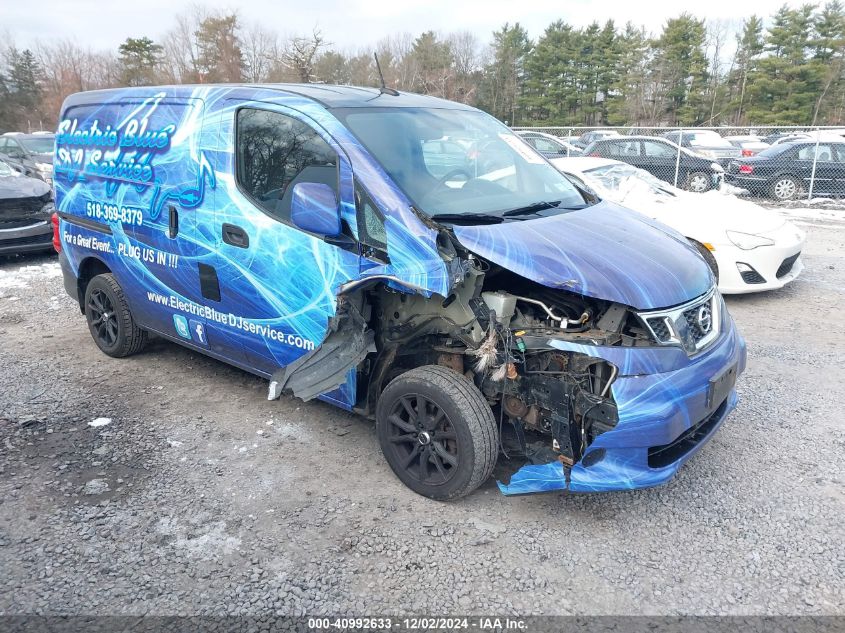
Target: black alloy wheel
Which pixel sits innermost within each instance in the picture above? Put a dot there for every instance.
(110, 320)
(423, 440)
(103, 318)
(437, 432)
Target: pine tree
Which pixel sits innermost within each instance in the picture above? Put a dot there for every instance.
(829, 53)
(607, 68)
(502, 80)
(139, 60)
(433, 59)
(679, 71)
(220, 57)
(551, 94)
(784, 86)
(628, 94)
(749, 48)
(588, 60)
(20, 90)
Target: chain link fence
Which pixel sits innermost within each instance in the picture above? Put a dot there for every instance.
(778, 163)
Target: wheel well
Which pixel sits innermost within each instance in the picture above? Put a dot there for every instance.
(88, 269)
(784, 174)
(707, 255)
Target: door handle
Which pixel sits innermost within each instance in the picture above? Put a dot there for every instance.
(235, 236)
(173, 223)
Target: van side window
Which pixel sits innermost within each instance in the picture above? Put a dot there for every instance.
(274, 152)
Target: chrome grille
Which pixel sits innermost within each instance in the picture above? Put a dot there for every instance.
(692, 326)
(660, 328)
(697, 331)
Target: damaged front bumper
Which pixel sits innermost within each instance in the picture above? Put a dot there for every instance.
(669, 406)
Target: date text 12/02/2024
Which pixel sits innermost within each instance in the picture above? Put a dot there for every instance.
(424, 623)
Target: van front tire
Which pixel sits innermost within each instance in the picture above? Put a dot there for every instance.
(109, 319)
(437, 432)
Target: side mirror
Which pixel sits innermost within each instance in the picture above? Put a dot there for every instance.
(314, 208)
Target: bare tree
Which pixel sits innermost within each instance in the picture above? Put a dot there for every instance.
(395, 54)
(69, 68)
(180, 51)
(260, 47)
(466, 66)
(300, 54)
(718, 33)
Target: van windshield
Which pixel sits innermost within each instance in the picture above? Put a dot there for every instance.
(460, 162)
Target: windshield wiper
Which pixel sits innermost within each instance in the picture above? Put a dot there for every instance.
(532, 208)
(480, 218)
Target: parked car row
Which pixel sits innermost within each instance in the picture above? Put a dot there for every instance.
(30, 154)
(26, 195)
(25, 209)
(783, 165)
(787, 171)
(662, 158)
(550, 146)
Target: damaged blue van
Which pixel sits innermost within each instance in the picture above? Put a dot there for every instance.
(403, 257)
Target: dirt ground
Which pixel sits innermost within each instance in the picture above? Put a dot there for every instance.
(201, 497)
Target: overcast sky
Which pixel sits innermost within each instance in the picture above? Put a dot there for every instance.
(347, 23)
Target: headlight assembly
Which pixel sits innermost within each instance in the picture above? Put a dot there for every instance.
(747, 241)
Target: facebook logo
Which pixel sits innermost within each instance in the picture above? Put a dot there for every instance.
(198, 332)
(181, 325)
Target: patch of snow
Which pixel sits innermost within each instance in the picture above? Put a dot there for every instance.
(96, 487)
(731, 190)
(206, 542)
(97, 422)
(22, 276)
(816, 214)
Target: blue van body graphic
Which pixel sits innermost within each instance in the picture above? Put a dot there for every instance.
(153, 187)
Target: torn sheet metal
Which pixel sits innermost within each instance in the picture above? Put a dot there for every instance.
(654, 410)
(326, 367)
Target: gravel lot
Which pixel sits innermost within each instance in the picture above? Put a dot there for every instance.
(200, 497)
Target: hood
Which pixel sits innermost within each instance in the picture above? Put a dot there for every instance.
(603, 251)
(702, 216)
(733, 213)
(22, 187)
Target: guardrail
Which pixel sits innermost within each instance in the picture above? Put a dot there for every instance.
(811, 163)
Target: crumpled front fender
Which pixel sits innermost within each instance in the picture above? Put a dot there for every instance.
(654, 408)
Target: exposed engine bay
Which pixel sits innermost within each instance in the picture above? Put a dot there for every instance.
(495, 328)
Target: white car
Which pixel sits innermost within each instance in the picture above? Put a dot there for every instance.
(750, 145)
(749, 248)
(548, 145)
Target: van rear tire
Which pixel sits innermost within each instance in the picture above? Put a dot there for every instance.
(109, 319)
(437, 432)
